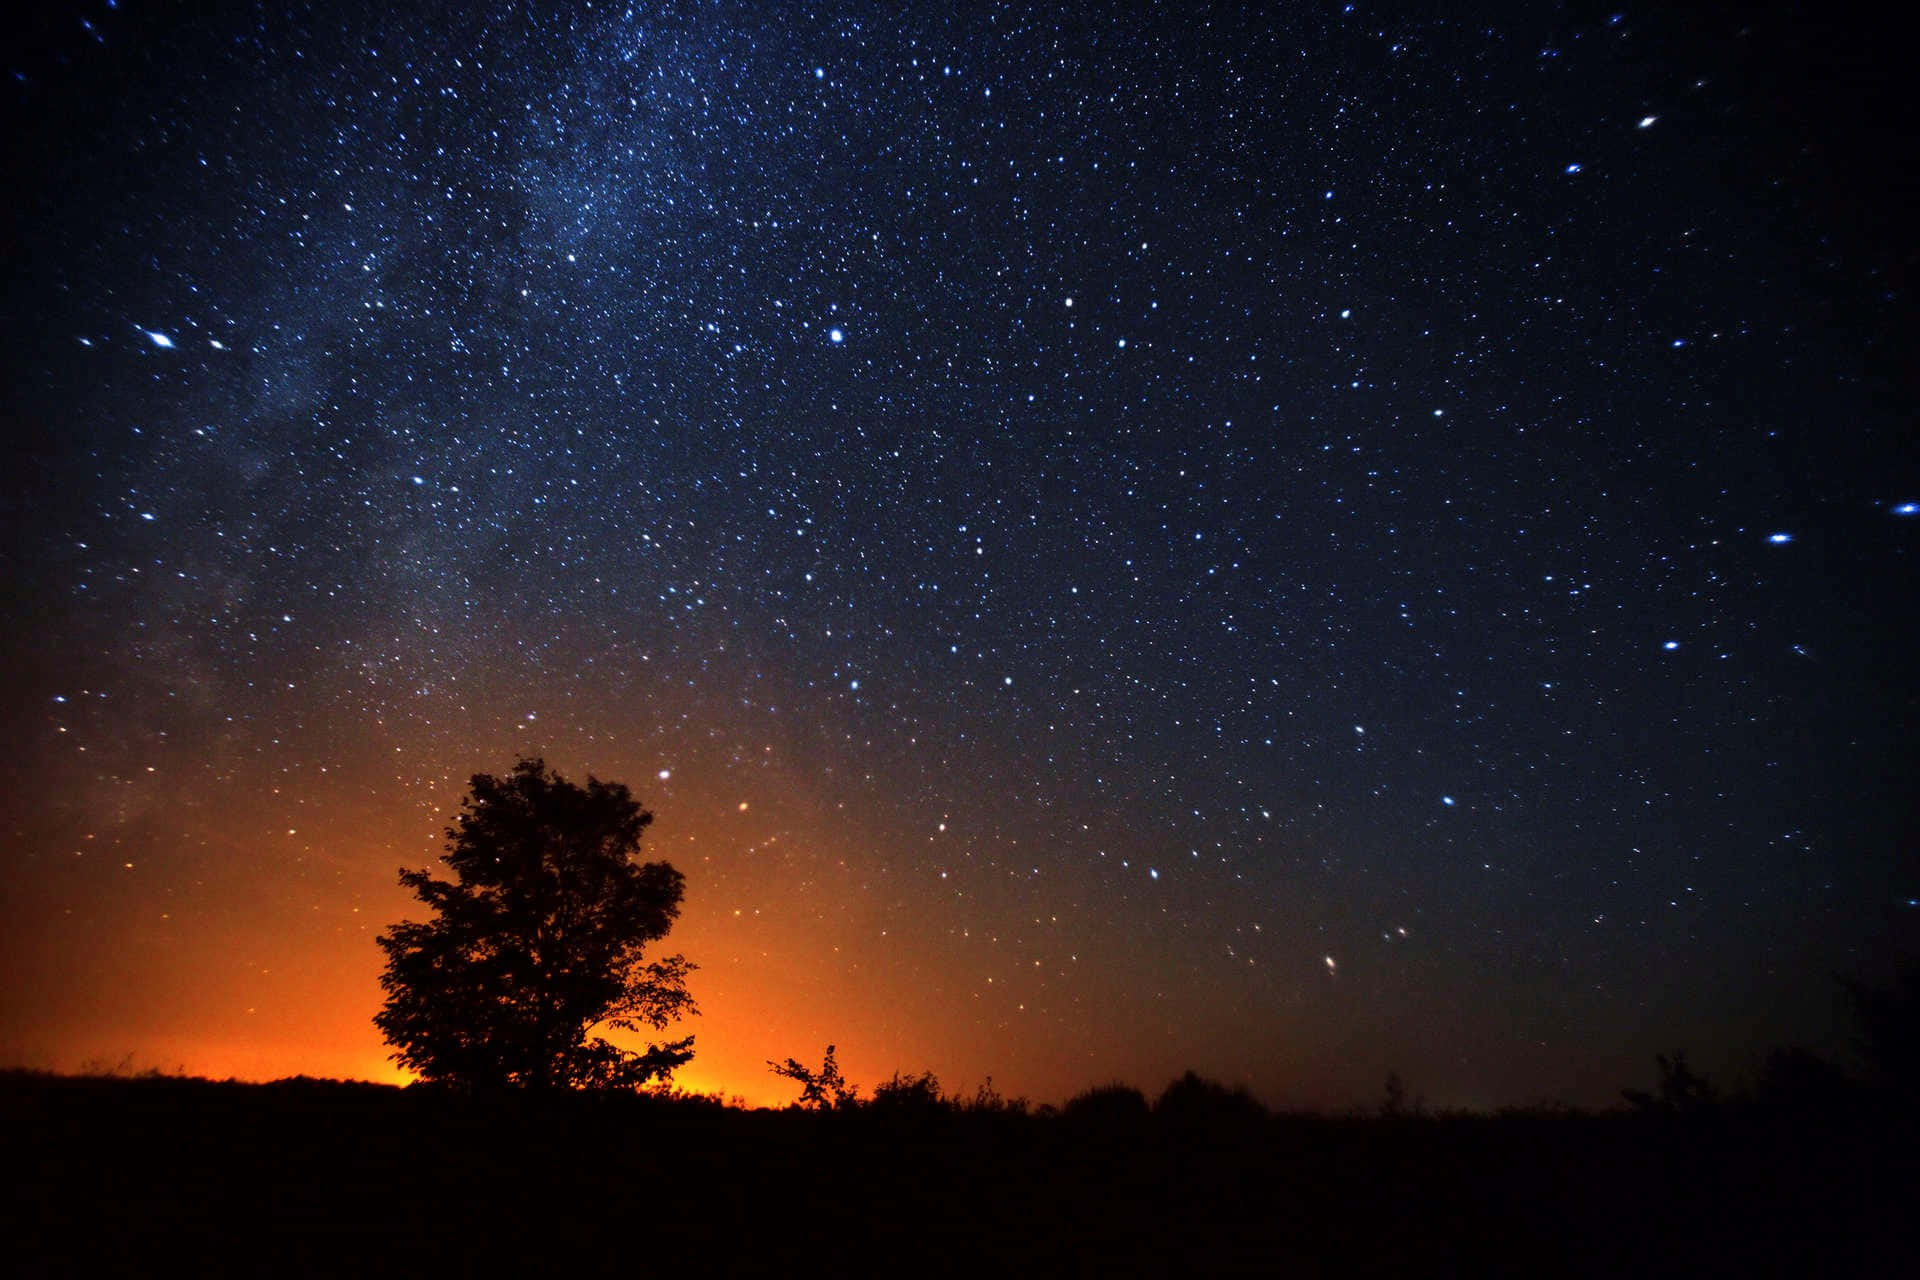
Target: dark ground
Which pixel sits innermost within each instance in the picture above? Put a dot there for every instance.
(145, 1176)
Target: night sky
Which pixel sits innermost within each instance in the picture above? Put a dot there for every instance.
(1110, 542)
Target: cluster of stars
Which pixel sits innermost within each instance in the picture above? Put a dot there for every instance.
(1227, 437)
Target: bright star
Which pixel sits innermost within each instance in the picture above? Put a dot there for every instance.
(834, 335)
(1779, 539)
(159, 339)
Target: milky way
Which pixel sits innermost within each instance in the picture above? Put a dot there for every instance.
(1291, 546)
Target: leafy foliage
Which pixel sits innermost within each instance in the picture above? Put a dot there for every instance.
(822, 1090)
(537, 942)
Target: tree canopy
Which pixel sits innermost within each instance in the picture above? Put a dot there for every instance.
(537, 943)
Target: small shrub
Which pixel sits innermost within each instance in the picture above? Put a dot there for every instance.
(988, 1101)
(822, 1090)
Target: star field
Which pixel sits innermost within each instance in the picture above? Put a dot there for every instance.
(1290, 545)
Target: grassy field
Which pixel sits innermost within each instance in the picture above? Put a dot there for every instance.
(150, 1175)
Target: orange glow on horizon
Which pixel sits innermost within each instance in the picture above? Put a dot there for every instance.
(266, 968)
(807, 928)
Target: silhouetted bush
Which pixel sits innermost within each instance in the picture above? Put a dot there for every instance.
(1108, 1106)
(919, 1093)
(987, 1101)
(1195, 1103)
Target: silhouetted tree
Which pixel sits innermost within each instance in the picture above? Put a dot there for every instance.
(537, 942)
(822, 1090)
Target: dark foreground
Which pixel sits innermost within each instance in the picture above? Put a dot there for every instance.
(144, 1176)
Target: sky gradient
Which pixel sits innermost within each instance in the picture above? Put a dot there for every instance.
(1292, 546)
